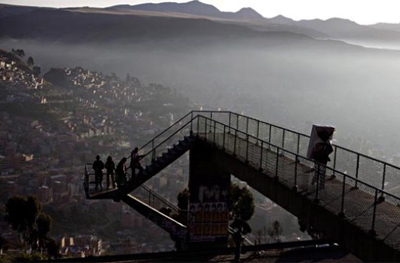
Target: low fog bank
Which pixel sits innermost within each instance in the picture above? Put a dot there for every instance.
(354, 89)
(387, 45)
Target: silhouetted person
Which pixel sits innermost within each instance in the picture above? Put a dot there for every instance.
(320, 154)
(135, 161)
(110, 167)
(121, 172)
(240, 228)
(98, 167)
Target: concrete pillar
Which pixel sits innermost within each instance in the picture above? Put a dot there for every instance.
(209, 186)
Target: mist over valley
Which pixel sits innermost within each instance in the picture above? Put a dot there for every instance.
(81, 82)
(283, 77)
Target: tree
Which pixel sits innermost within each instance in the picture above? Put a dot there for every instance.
(24, 215)
(30, 61)
(36, 70)
(53, 249)
(128, 77)
(241, 209)
(3, 243)
(15, 209)
(275, 231)
(261, 234)
(21, 214)
(44, 223)
(18, 52)
(21, 53)
(241, 203)
(113, 76)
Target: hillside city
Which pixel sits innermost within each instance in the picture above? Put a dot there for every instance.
(49, 130)
(52, 125)
(83, 83)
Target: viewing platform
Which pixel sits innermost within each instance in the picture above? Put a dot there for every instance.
(357, 206)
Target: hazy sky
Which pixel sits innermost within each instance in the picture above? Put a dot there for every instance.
(360, 11)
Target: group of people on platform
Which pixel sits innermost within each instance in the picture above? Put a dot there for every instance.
(116, 175)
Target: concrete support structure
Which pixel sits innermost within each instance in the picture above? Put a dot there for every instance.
(209, 188)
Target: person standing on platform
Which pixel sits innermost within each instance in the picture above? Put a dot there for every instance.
(110, 167)
(320, 155)
(121, 172)
(135, 161)
(98, 167)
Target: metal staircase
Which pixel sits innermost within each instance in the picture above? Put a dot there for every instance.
(163, 213)
(157, 164)
(157, 209)
(176, 229)
(361, 191)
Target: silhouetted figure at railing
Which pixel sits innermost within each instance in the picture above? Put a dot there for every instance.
(239, 145)
(98, 167)
(121, 172)
(110, 167)
(240, 228)
(320, 153)
(135, 162)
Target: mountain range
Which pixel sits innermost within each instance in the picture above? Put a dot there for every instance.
(170, 19)
(195, 8)
(332, 28)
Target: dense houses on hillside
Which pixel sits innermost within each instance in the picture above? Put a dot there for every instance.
(63, 189)
(90, 114)
(11, 73)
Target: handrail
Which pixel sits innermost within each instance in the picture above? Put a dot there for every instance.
(159, 197)
(279, 149)
(209, 125)
(159, 135)
(177, 122)
(355, 179)
(377, 194)
(251, 118)
(360, 160)
(178, 210)
(351, 165)
(299, 133)
(169, 137)
(366, 156)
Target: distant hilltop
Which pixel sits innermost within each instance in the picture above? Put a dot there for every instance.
(335, 28)
(194, 8)
(168, 20)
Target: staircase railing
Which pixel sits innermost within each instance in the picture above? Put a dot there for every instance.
(147, 195)
(380, 174)
(155, 148)
(378, 178)
(216, 132)
(153, 199)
